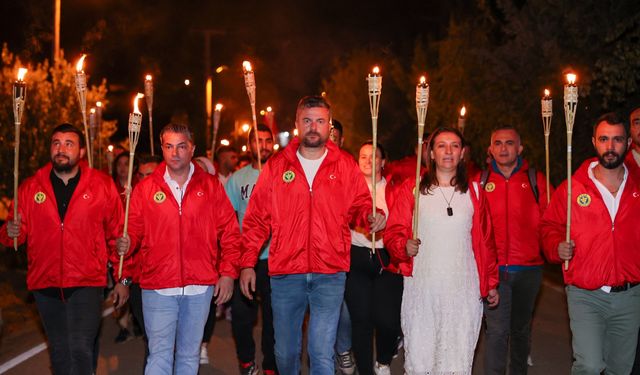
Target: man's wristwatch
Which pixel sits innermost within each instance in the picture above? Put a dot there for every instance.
(126, 281)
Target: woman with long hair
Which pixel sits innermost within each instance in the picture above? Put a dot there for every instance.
(453, 261)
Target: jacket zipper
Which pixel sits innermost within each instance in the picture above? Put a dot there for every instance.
(61, 260)
(507, 239)
(309, 228)
(180, 239)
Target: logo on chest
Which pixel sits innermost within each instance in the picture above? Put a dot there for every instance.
(288, 176)
(490, 187)
(584, 200)
(40, 197)
(159, 197)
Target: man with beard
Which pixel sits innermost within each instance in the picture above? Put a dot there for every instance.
(69, 215)
(306, 197)
(245, 310)
(603, 253)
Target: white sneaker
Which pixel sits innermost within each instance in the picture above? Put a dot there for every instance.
(380, 369)
(204, 355)
(346, 365)
(529, 360)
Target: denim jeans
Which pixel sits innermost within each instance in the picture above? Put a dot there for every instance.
(343, 336)
(509, 323)
(290, 297)
(71, 323)
(174, 324)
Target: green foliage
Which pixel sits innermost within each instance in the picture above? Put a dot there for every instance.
(51, 100)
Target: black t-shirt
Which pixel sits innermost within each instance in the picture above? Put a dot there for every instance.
(63, 192)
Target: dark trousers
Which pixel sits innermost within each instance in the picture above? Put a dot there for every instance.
(374, 299)
(636, 363)
(135, 303)
(71, 319)
(509, 324)
(211, 321)
(245, 315)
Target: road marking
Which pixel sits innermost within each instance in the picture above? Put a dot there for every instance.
(13, 362)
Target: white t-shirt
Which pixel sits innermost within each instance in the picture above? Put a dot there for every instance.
(310, 167)
(178, 194)
(359, 239)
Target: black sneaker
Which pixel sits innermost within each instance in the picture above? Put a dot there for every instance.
(122, 336)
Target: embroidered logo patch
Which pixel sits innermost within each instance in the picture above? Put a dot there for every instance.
(584, 200)
(490, 187)
(159, 197)
(288, 176)
(39, 197)
(200, 194)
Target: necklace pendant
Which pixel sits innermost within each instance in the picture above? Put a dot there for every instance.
(449, 211)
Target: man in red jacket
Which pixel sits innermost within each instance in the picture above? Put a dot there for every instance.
(69, 216)
(177, 218)
(633, 155)
(306, 197)
(516, 208)
(603, 253)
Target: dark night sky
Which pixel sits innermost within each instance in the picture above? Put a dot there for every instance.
(293, 45)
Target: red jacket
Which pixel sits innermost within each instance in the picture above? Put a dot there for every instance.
(631, 162)
(399, 228)
(396, 172)
(606, 253)
(310, 225)
(73, 253)
(179, 246)
(515, 215)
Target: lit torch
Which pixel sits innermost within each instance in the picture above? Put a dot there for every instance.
(570, 106)
(19, 101)
(99, 120)
(462, 119)
(547, 113)
(216, 125)
(422, 102)
(135, 123)
(110, 159)
(93, 126)
(81, 88)
(148, 97)
(374, 81)
(250, 84)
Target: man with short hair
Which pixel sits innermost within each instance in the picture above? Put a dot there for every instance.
(603, 254)
(178, 219)
(69, 215)
(517, 197)
(147, 164)
(336, 134)
(307, 195)
(633, 155)
(226, 162)
(245, 310)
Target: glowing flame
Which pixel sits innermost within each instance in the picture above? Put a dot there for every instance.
(269, 109)
(245, 127)
(135, 103)
(93, 111)
(263, 112)
(244, 148)
(219, 107)
(276, 147)
(187, 82)
(295, 132)
(423, 80)
(376, 70)
(80, 63)
(99, 104)
(21, 73)
(246, 66)
(148, 77)
(224, 142)
(571, 78)
(546, 92)
(110, 148)
(463, 111)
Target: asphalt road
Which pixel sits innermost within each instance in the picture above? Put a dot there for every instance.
(551, 344)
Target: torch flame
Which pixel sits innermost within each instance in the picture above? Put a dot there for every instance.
(376, 70)
(98, 104)
(463, 111)
(423, 80)
(135, 103)
(21, 73)
(80, 63)
(148, 77)
(92, 110)
(110, 148)
(547, 92)
(269, 109)
(571, 78)
(219, 107)
(246, 66)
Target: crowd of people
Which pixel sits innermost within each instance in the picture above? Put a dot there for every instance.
(295, 236)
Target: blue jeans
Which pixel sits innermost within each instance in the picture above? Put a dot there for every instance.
(290, 297)
(343, 336)
(174, 324)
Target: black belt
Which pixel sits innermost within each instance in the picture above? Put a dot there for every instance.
(623, 287)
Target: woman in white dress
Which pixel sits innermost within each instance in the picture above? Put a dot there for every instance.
(454, 261)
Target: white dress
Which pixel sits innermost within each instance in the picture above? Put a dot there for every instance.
(441, 305)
